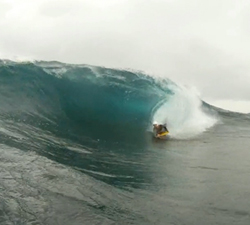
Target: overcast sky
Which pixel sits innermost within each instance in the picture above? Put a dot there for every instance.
(198, 43)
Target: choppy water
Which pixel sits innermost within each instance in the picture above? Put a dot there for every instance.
(76, 148)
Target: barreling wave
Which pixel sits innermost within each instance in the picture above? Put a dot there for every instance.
(87, 102)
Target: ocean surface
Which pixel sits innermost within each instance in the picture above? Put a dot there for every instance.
(76, 147)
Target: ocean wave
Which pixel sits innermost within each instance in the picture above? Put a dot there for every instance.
(97, 103)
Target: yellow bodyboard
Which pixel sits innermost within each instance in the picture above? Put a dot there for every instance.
(163, 134)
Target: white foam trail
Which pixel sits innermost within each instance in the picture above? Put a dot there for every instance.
(183, 114)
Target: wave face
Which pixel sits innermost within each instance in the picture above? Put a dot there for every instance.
(90, 118)
(96, 103)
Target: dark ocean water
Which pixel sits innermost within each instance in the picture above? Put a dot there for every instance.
(76, 147)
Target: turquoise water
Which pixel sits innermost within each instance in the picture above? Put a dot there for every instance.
(76, 148)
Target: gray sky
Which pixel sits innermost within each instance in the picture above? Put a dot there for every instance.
(196, 42)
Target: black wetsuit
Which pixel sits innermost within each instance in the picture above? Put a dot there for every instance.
(164, 128)
(161, 129)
